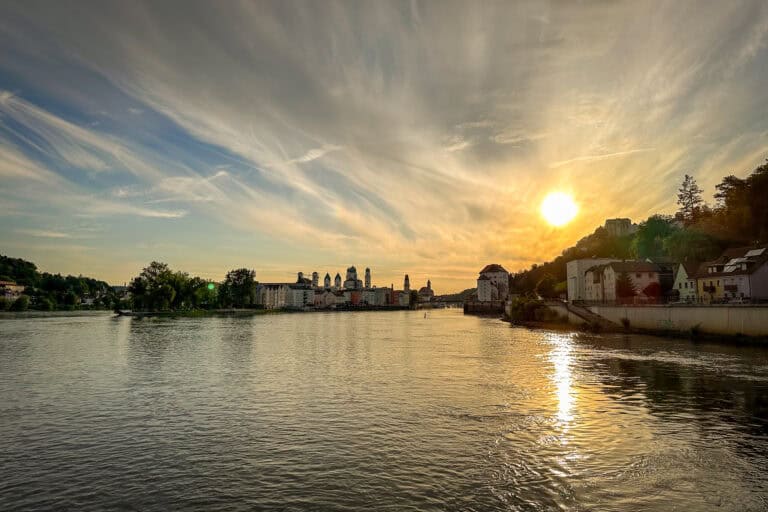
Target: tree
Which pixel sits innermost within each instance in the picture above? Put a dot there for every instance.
(689, 199)
(545, 288)
(625, 287)
(20, 304)
(649, 239)
(239, 288)
(691, 245)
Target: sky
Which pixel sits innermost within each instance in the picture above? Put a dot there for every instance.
(408, 137)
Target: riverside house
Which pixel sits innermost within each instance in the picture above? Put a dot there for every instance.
(685, 282)
(601, 281)
(738, 274)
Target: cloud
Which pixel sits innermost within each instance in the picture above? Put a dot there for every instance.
(314, 154)
(43, 233)
(592, 158)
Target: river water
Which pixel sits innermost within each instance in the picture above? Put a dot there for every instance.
(373, 411)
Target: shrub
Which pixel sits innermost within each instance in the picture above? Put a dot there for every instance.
(20, 304)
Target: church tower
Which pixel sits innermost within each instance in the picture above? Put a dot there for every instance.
(327, 281)
(337, 281)
(315, 279)
(367, 278)
(406, 284)
(429, 284)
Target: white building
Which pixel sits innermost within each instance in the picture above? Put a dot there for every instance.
(272, 295)
(324, 299)
(601, 280)
(685, 282)
(493, 283)
(575, 275)
(300, 296)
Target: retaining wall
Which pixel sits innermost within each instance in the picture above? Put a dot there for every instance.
(731, 320)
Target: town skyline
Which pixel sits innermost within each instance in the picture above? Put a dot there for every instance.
(414, 137)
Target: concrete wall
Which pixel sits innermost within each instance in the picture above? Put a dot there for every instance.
(748, 320)
(562, 310)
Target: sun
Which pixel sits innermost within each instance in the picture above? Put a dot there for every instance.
(558, 209)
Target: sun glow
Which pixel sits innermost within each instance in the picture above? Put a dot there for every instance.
(558, 209)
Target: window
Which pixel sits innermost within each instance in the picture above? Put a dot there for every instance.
(638, 274)
(686, 284)
(718, 282)
(680, 285)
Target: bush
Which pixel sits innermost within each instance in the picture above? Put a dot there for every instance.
(20, 304)
(45, 304)
(4, 304)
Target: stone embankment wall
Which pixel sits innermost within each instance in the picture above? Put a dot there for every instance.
(728, 320)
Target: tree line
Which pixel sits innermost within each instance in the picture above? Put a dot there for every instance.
(697, 232)
(158, 288)
(46, 291)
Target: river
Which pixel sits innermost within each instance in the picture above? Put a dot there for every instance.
(373, 411)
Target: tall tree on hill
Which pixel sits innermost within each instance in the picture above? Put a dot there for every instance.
(689, 199)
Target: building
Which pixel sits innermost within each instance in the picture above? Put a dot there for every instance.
(325, 299)
(368, 297)
(619, 227)
(352, 282)
(602, 282)
(272, 295)
(406, 284)
(383, 296)
(315, 280)
(685, 282)
(367, 277)
(327, 281)
(739, 274)
(10, 290)
(425, 292)
(337, 282)
(575, 276)
(493, 283)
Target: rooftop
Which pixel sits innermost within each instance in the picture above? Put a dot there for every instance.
(493, 267)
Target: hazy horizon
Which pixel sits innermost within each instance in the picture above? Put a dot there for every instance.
(408, 137)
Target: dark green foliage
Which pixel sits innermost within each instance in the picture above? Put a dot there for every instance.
(650, 236)
(545, 288)
(526, 309)
(54, 291)
(239, 288)
(158, 288)
(20, 304)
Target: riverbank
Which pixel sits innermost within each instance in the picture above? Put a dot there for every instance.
(692, 334)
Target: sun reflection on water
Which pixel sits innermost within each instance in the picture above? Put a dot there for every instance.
(562, 379)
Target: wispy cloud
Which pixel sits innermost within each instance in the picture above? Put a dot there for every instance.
(43, 233)
(314, 154)
(592, 158)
